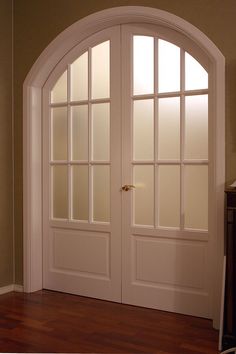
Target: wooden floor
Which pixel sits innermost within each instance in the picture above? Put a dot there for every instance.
(47, 321)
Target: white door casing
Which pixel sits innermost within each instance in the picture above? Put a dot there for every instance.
(32, 130)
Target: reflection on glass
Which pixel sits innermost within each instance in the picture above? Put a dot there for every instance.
(101, 193)
(101, 131)
(80, 206)
(143, 122)
(101, 70)
(143, 179)
(59, 192)
(79, 116)
(143, 64)
(59, 133)
(168, 67)
(59, 91)
(169, 190)
(169, 128)
(79, 78)
(196, 76)
(196, 127)
(196, 197)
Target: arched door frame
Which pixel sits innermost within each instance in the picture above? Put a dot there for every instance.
(32, 132)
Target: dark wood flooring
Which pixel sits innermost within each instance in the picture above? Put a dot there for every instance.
(48, 321)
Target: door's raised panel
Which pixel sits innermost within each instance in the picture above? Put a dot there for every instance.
(173, 262)
(89, 252)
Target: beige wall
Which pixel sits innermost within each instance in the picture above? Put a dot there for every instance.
(38, 22)
(6, 180)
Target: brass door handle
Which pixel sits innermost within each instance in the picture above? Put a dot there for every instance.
(127, 187)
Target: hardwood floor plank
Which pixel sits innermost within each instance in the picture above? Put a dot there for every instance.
(48, 321)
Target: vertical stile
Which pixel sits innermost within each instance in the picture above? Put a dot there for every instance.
(182, 135)
(90, 169)
(156, 132)
(69, 143)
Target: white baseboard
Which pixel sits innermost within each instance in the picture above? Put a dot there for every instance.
(11, 287)
(6, 289)
(18, 288)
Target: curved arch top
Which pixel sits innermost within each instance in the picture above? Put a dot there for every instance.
(93, 23)
(32, 130)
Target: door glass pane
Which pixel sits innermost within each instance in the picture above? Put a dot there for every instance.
(143, 179)
(196, 127)
(196, 76)
(59, 91)
(101, 131)
(79, 116)
(168, 67)
(169, 128)
(143, 65)
(196, 197)
(79, 78)
(59, 133)
(60, 192)
(143, 122)
(80, 196)
(101, 193)
(101, 70)
(169, 196)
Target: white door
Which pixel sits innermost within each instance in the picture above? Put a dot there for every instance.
(82, 171)
(166, 252)
(146, 244)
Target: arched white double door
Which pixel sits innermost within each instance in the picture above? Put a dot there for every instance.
(127, 169)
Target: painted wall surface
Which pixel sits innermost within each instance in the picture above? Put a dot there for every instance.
(38, 22)
(6, 177)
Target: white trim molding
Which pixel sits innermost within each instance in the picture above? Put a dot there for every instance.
(32, 132)
(10, 288)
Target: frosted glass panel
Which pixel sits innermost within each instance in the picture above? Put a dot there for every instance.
(196, 127)
(101, 131)
(80, 208)
(60, 192)
(196, 76)
(143, 195)
(169, 128)
(79, 78)
(169, 196)
(143, 123)
(59, 91)
(101, 193)
(196, 197)
(101, 70)
(143, 64)
(79, 132)
(168, 67)
(59, 133)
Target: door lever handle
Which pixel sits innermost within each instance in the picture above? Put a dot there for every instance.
(127, 187)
